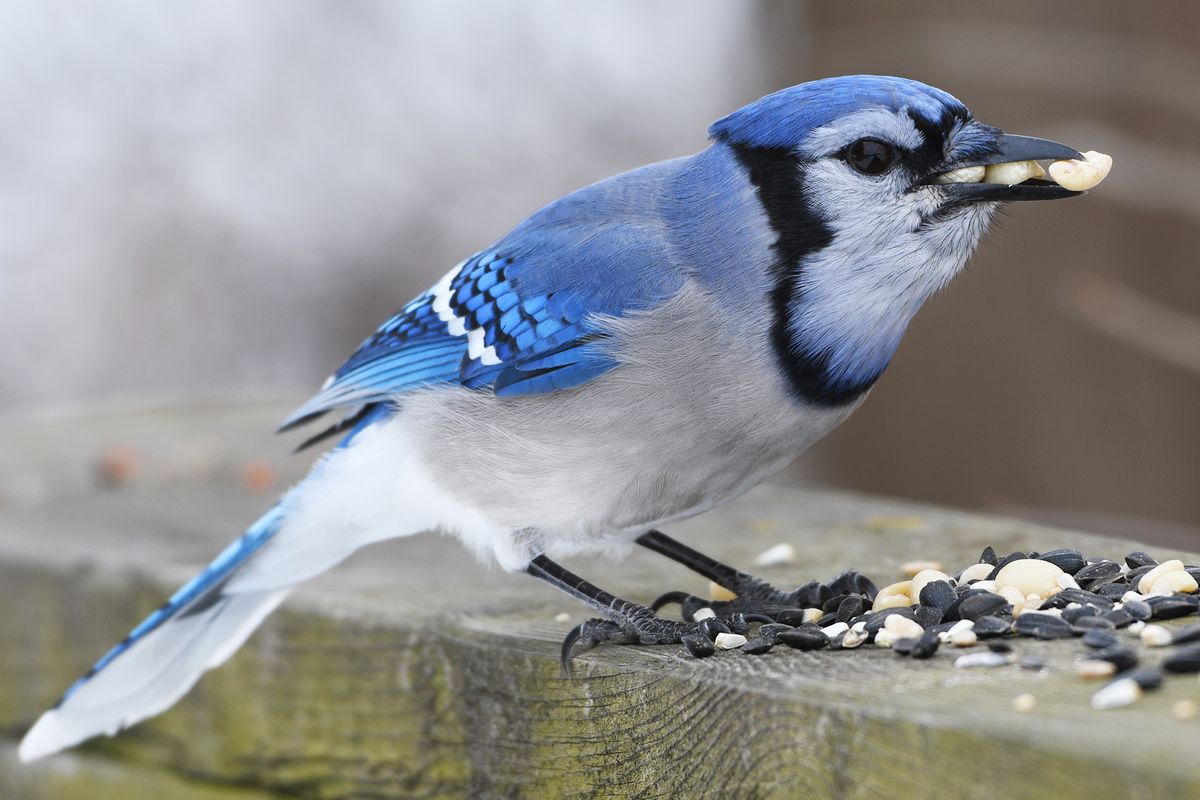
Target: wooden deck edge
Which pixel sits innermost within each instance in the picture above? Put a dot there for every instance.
(329, 704)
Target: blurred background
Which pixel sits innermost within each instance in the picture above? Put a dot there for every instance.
(220, 200)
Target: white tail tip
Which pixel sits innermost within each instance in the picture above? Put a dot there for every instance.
(49, 735)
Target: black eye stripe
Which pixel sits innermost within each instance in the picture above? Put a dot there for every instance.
(870, 156)
(934, 134)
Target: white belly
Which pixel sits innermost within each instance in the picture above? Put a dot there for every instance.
(682, 425)
(679, 427)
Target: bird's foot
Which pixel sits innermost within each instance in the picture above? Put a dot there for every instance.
(756, 601)
(757, 597)
(641, 626)
(753, 598)
(752, 595)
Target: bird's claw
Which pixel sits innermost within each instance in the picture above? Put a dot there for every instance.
(755, 601)
(756, 596)
(689, 604)
(646, 628)
(752, 599)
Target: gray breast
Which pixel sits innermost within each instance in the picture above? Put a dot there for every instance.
(695, 414)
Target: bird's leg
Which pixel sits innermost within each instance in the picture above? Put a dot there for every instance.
(627, 622)
(753, 594)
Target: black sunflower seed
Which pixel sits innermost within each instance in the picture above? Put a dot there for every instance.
(1139, 559)
(927, 616)
(1112, 587)
(806, 637)
(979, 604)
(1185, 659)
(926, 646)
(939, 595)
(699, 645)
(1073, 615)
(1187, 635)
(1137, 609)
(989, 626)
(1099, 638)
(851, 607)
(1098, 571)
(712, 626)
(1148, 678)
(831, 605)
(1134, 575)
(1043, 626)
(1082, 597)
(941, 627)
(1067, 559)
(1118, 655)
(771, 631)
(847, 599)
(1094, 622)
(1113, 591)
(758, 645)
(1170, 606)
(1119, 617)
(1054, 601)
(786, 616)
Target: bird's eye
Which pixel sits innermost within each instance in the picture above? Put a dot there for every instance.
(870, 156)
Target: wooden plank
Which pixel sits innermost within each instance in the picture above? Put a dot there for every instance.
(75, 776)
(410, 671)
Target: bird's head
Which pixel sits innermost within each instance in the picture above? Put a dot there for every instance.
(874, 188)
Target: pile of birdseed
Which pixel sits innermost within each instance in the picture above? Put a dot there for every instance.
(1054, 595)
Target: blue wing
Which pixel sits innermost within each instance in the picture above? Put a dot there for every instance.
(520, 317)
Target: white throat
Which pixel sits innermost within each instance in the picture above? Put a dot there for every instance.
(856, 296)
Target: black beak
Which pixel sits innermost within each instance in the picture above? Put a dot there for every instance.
(1011, 147)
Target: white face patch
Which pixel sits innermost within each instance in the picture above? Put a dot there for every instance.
(890, 251)
(870, 123)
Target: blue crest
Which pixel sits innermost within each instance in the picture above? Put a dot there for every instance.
(784, 118)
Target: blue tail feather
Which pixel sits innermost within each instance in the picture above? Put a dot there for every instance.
(206, 587)
(197, 629)
(210, 579)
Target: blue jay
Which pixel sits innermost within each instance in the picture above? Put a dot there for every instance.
(634, 353)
